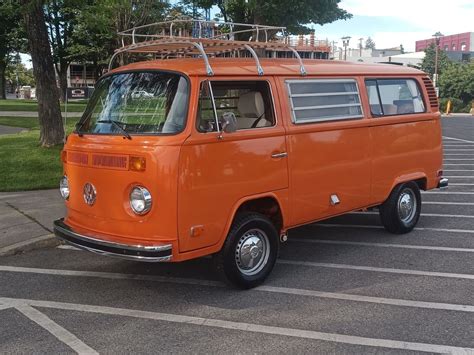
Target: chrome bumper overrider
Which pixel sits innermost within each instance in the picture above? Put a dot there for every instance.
(155, 253)
(443, 182)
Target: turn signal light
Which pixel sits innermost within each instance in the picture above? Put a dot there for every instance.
(137, 163)
(63, 156)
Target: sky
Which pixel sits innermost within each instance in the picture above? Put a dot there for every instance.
(393, 22)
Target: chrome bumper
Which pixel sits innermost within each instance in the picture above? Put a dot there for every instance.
(443, 183)
(152, 254)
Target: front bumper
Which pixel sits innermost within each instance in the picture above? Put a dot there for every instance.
(154, 253)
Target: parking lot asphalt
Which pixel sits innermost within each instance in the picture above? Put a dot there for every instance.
(340, 286)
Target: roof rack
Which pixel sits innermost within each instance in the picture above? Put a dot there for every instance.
(199, 38)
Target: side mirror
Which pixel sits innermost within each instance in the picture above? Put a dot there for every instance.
(229, 122)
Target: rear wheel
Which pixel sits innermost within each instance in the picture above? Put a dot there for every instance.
(401, 211)
(249, 252)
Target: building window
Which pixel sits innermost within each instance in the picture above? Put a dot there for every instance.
(319, 100)
(453, 47)
(463, 46)
(446, 48)
(389, 97)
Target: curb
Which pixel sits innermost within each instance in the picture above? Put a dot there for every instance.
(44, 241)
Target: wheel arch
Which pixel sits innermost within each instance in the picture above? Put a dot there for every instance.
(268, 204)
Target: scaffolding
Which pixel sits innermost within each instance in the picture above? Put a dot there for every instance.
(184, 38)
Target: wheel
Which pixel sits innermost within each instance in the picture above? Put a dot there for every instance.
(401, 211)
(249, 252)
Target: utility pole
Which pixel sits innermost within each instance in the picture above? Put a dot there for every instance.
(360, 46)
(345, 43)
(437, 37)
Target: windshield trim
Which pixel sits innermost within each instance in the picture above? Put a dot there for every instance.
(88, 108)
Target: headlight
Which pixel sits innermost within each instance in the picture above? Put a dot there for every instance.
(64, 187)
(140, 200)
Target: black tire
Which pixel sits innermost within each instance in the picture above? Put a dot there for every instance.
(235, 261)
(396, 215)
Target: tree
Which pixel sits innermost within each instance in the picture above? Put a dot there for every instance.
(9, 23)
(16, 70)
(428, 63)
(49, 113)
(457, 82)
(402, 49)
(295, 16)
(369, 43)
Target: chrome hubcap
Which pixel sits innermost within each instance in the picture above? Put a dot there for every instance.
(252, 252)
(407, 205)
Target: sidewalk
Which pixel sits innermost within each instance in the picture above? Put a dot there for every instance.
(26, 219)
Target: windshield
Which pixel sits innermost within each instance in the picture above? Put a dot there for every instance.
(137, 103)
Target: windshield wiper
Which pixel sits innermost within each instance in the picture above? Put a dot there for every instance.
(115, 123)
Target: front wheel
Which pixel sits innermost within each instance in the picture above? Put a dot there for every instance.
(401, 211)
(249, 252)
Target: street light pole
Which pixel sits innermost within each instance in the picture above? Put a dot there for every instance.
(345, 43)
(437, 37)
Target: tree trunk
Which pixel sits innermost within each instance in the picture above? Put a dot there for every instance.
(49, 112)
(3, 81)
(62, 81)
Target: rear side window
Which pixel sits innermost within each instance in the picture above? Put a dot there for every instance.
(319, 100)
(389, 97)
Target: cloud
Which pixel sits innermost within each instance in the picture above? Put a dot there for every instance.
(450, 17)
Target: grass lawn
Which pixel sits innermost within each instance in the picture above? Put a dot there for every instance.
(32, 105)
(25, 165)
(24, 122)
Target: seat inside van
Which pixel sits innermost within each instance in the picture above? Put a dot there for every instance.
(251, 108)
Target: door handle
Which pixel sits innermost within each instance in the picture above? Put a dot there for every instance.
(279, 155)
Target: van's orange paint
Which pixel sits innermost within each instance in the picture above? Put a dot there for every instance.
(197, 180)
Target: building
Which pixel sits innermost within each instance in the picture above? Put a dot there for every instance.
(459, 47)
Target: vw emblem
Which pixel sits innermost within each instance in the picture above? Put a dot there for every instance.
(89, 194)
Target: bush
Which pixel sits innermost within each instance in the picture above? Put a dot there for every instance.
(457, 105)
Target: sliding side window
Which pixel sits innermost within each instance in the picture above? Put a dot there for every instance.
(388, 97)
(319, 100)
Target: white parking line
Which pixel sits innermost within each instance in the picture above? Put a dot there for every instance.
(464, 170)
(381, 245)
(365, 226)
(284, 290)
(456, 184)
(251, 328)
(458, 154)
(436, 192)
(463, 159)
(4, 306)
(460, 177)
(458, 164)
(448, 203)
(422, 215)
(377, 269)
(458, 139)
(459, 150)
(55, 329)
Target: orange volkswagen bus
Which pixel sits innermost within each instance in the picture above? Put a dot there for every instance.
(197, 155)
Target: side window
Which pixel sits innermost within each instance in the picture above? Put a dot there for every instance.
(319, 100)
(250, 101)
(389, 97)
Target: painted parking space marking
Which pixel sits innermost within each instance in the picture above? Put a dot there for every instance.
(247, 327)
(448, 203)
(377, 269)
(381, 245)
(367, 226)
(458, 139)
(55, 329)
(435, 192)
(422, 215)
(264, 288)
(459, 170)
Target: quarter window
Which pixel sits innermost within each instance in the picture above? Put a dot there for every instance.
(321, 100)
(389, 97)
(249, 101)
